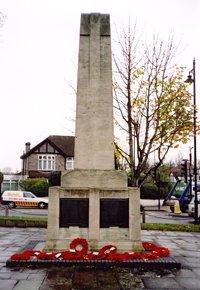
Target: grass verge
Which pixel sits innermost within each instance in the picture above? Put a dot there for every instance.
(23, 218)
(147, 226)
(171, 227)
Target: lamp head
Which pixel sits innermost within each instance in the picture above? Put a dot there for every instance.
(189, 79)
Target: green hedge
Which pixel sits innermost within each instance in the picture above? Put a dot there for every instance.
(38, 186)
(150, 191)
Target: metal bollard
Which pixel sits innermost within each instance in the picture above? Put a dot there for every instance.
(143, 216)
(6, 210)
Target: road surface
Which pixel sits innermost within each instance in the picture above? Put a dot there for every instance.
(151, 214)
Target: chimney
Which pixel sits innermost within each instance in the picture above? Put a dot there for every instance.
(27, 147)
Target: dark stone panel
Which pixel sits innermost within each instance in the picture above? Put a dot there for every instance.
(74, 212)
(114, 212)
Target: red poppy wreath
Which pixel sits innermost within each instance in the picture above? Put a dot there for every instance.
(80, 246)
(79, 251)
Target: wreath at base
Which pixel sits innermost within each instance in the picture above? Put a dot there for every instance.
(79, 243)
(79, 251)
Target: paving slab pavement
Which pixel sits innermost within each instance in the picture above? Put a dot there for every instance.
(184, 248)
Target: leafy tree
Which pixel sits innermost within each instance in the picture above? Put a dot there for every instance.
(164, 173)
(153, 107)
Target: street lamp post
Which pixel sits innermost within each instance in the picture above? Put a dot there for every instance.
(190, 170)
(192, 79)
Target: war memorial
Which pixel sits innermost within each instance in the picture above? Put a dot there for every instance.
(94, 201)
(93, 216)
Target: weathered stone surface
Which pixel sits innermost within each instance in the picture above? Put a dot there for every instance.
(94, 178)
(94, 143)
(124, 238)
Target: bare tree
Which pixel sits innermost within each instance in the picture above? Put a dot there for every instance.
(2, 19)
(152, 104)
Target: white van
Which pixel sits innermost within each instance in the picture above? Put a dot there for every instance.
(191, 206)
(22, 198)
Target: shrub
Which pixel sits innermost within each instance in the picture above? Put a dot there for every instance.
(150, 190)
(38, 186)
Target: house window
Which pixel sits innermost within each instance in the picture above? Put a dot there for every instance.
(69, 163)
(46, 162)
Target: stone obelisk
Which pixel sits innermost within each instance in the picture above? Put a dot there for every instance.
(94, 140)
(94, 122)
(93, 200)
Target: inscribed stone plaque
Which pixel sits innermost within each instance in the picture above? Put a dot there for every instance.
(114, 213)
(74, 212)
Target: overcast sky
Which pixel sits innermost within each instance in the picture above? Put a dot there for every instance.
(39, 54)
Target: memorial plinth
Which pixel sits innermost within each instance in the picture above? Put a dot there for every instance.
(93, 201)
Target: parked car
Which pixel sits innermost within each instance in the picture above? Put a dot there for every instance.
(22, 198)
(191, 206)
